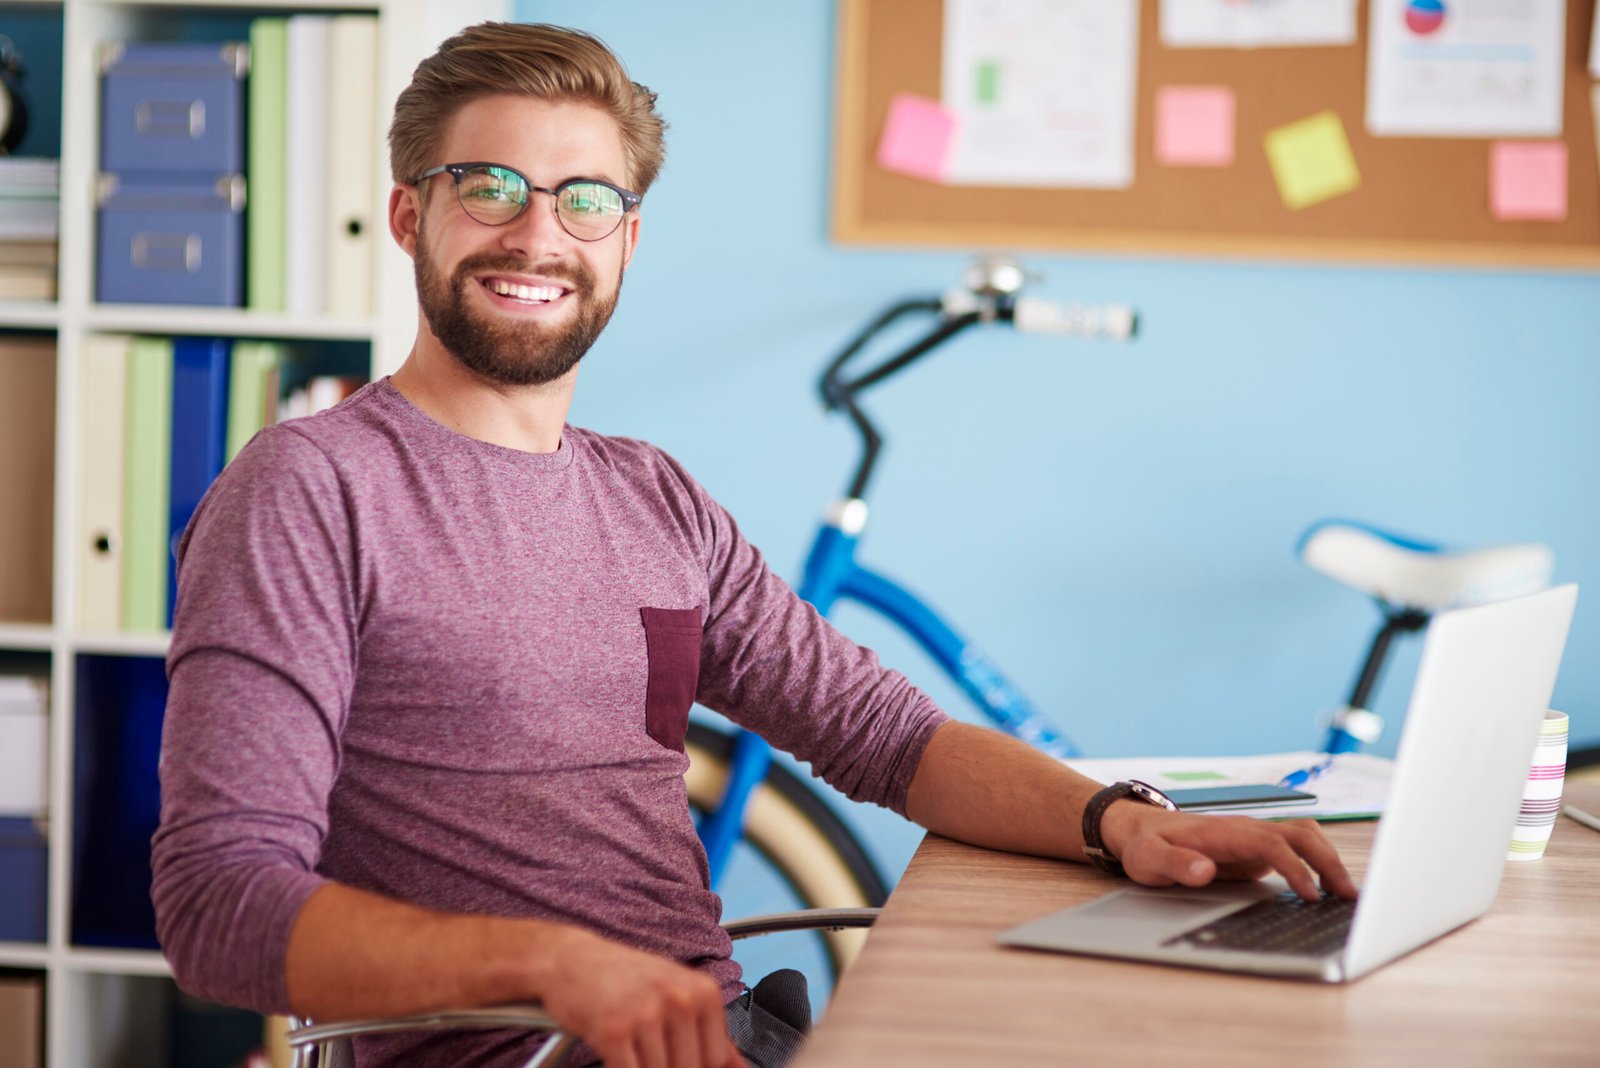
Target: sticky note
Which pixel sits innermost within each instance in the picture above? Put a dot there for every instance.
(1194, 125)
(917, 136)
(1528, 180)
(1311, 160)
(986, 87)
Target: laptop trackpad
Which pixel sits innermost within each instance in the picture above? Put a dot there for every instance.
(1130, 920)
(1160, 909)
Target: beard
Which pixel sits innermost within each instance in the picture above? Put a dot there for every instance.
(506, 351)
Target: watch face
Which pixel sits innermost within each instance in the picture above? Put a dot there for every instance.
(1145, 792)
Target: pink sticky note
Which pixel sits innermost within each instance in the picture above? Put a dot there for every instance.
(1194, 125)
(917, 137)
(1528, 180)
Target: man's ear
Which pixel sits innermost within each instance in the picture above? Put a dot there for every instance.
(405, 217)
(630, 237)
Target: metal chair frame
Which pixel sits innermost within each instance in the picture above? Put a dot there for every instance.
(329, 1045)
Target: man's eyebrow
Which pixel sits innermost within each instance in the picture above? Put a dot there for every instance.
(591, 178)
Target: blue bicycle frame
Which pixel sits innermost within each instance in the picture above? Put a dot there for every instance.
(832, 573)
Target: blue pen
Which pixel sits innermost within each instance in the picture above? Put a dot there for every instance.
(1299, 778)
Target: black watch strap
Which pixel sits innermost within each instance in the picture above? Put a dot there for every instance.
(1094, 846)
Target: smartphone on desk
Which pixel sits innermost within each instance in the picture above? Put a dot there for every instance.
(1221, 798)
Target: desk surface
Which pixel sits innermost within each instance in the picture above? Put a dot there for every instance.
(1521, 986)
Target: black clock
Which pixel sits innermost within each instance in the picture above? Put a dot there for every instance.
(13, 113)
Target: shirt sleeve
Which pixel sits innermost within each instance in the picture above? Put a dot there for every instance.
(261, 671)
(773, 665)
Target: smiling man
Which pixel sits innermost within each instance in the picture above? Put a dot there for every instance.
(435, 649)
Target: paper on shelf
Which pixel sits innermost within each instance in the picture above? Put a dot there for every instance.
(1357, 784)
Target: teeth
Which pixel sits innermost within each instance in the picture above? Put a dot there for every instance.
(529, 293)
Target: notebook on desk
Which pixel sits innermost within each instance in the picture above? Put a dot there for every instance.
(1481, 690)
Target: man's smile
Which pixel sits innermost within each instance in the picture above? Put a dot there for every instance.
(524, 293)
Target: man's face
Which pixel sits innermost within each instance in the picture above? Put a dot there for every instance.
(521, 303)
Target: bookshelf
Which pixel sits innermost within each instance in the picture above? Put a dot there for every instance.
(104, 1005)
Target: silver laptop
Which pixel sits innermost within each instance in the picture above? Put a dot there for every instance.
(1482, 687)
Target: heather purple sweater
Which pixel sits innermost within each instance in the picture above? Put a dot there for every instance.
(458, 674)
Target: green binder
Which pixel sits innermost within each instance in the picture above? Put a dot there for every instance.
(252, 393)
(147, 480)
(265, 217)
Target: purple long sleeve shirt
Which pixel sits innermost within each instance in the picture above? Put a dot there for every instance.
(458, 675)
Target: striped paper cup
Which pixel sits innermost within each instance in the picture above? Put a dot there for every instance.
(1541, 798)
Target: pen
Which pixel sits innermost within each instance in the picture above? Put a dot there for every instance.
(1573, 812)
(1304, 775)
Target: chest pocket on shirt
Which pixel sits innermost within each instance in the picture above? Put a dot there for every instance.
(672, 639)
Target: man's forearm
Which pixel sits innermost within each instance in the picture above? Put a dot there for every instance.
(354, 954)
(989, 789)
(992, 790)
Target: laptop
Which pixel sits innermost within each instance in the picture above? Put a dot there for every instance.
(1481, 691)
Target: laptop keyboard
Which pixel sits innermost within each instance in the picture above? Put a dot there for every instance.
(1283, 924)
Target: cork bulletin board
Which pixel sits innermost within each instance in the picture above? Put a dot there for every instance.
(1420, 200)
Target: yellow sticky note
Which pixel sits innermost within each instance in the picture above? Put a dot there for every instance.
(1312, 161)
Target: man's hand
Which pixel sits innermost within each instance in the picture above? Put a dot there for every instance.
(1159, 848)
(637, 1010)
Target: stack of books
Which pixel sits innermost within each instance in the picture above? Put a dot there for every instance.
(161, 418)
(313, 164)
(30, 192)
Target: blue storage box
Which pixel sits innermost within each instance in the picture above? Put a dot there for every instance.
(173, 107)
(171, 243)
(22, 880)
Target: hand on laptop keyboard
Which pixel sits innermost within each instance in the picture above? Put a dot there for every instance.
(1160, 848)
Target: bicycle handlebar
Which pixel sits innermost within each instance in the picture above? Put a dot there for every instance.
(989, 296)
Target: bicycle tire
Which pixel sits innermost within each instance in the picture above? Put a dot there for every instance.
(806, 843)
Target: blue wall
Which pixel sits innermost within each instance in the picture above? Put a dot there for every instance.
(1115, 523)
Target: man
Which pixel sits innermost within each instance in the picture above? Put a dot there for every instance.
(435, 649)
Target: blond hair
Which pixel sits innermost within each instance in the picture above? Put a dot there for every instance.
(534, 60)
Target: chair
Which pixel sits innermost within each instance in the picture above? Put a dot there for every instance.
(329, 1045)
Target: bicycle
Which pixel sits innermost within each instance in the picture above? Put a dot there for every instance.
(740, 795)
(743, 796)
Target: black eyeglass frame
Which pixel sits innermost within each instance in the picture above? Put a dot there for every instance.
(457, 171)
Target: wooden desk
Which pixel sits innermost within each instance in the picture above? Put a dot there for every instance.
(1519, 987)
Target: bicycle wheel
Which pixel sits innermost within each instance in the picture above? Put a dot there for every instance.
(795, 837)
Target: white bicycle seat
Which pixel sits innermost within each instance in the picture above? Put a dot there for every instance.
(1406, 573)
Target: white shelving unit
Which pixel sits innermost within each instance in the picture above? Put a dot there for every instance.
(104, 1006)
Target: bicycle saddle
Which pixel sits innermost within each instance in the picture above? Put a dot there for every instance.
(1410, 574)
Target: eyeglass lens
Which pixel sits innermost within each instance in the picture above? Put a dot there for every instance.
(496, 195)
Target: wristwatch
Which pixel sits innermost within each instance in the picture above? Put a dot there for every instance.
(1094, 846)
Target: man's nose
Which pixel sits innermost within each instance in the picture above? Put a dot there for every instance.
(536, 232)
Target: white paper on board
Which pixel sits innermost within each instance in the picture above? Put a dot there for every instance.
(1043, 91)
(1466, 68)
(1257, 23)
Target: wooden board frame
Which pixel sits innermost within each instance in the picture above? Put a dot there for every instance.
(1422, 201)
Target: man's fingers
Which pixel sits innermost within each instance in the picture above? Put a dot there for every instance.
(651, 1046)
(714, 1040)
(1161, 863)
(1282, 856)
(1313, 845)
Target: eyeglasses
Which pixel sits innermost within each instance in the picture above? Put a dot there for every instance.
(587, 208)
